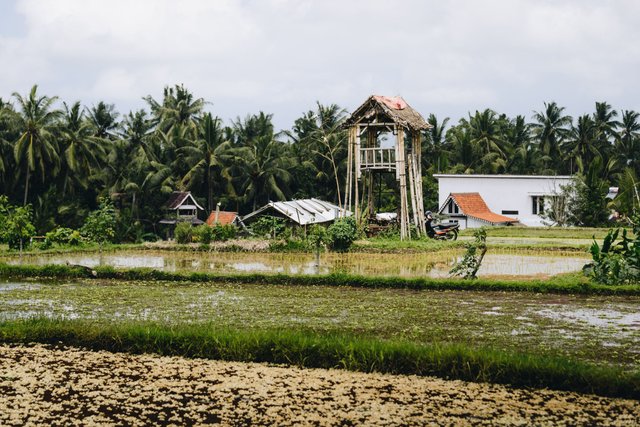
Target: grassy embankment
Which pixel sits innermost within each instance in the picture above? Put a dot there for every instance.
(544, 232)
(561, 284)
(331, 351)
(569, 239)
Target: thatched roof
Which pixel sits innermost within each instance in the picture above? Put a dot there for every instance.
(388, 109)
(182, 199)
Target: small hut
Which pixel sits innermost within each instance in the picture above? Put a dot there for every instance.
(367, 155)
(181, 207)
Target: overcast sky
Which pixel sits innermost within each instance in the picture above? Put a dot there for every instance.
(281, 56)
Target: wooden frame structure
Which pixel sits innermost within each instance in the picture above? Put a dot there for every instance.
(366, 156)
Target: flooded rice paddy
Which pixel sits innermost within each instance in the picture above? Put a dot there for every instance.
(592, 328)
(425, 264)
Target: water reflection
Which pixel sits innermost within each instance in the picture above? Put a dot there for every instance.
(435, 264)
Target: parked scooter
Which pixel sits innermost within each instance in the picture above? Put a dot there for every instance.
(441, 231)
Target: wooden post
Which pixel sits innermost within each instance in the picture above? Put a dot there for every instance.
(401, 165)
(412, 190)
(418, 164)
(372, 137)
(349, 180)
(357, 177)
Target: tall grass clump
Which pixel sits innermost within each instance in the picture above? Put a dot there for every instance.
(309, 349)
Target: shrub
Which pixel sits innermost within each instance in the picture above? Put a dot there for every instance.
(615, 263)
(203, 234)
(16, 228)
(183, 233)
(63, 236)
(269, 226)
(222, 233)
(100, 225)
(342, 234)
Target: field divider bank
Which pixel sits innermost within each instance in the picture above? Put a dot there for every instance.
(314, 350)
(569, 284)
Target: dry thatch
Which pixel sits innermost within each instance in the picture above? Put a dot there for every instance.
(385, 109)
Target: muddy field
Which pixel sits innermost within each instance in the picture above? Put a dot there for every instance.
(41, 385)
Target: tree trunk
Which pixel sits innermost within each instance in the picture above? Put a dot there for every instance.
(209, 190)
(26, 187)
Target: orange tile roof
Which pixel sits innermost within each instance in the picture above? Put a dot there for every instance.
(473, 205)
(224, 217)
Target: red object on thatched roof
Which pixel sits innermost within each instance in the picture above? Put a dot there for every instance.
(395, 102)
(386, 109)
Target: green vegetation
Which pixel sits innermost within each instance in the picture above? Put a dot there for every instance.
(183, 233)
(563, 284)
(61, 159)
(342, 233)
(15, 225)
(543, 232)
(469, 265)
(100, 225)
(331, 351)
(614, 262)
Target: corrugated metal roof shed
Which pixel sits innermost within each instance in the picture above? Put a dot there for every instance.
(304, 211)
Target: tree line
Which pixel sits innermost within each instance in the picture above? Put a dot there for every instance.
(61, 158)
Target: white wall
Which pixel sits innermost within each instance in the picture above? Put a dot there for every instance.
(503, 192)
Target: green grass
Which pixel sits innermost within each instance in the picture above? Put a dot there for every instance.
(561, 284)
(574, 326)
(66, 249)
(451, 361)
(543, 232)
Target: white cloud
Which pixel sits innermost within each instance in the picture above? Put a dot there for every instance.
(282, 55)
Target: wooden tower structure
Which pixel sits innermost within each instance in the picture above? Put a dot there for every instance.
(367, 155)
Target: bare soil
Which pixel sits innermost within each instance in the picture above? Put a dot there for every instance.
(45, 385)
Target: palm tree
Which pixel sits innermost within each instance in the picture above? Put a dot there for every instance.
(486, 134)
(627, 202)
(550, 129)
(130, 154)
(36, 148)
(330, 141)
(207, 158)
(178, 108)
(264, 171)
(104, 119)
(464, 153)
(605, 125)
(8, 134)
(82, 152)
(252, 127)
(262, 163)
(628, 141)
(436, 148)
(581, 145)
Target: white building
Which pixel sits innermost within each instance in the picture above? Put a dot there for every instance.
(500, 199)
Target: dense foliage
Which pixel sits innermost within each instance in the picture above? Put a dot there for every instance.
(616, 262)
(61, 158)
(342, 233)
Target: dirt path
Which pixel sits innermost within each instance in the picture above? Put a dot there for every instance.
(42, 385)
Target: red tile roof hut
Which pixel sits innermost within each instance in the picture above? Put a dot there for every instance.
(378, 115)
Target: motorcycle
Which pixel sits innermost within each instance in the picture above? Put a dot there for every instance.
(441, 231)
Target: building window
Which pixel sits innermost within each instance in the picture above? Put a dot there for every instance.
(452, 208)
(537, 205)
(510, 212)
